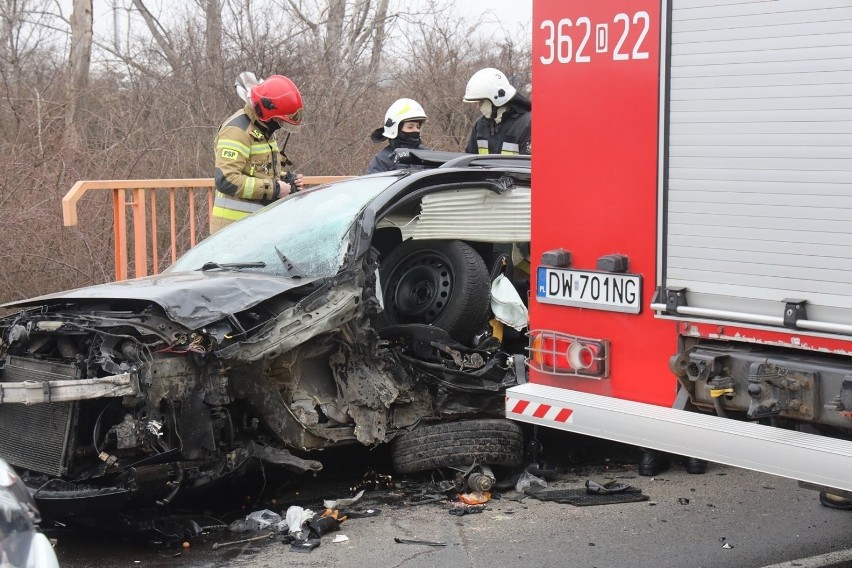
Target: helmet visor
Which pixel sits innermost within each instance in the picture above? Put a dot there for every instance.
(294, 118)
(286, 125)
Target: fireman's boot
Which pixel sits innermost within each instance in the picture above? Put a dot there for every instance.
(694, 465)
(652, 462)
(833, 501)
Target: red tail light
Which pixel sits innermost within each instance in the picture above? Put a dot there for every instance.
(562, 354)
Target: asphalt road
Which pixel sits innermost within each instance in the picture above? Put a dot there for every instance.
(725, 518)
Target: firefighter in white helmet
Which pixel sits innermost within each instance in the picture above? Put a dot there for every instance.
(404, 120)
(504, 127)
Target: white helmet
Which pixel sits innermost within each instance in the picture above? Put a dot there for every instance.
(400, 111)
(489, 84)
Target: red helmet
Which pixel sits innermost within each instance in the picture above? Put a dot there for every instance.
(277, 97)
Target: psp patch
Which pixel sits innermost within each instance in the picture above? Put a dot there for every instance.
(229, 154)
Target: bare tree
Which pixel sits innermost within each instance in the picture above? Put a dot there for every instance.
(350, 31)
(161, 36)
(27, 65)
(164, 89)
(78, 66)
(379, 36)
(213, 32)
(334, 33)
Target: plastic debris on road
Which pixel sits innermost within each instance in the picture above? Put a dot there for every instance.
(475, 498)
(423, 542)
(362, 513)
(609, 487)
(527, 480)
(258, 521)
(461, 509)
(338, 503)
(305, 545)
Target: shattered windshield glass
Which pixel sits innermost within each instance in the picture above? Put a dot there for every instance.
(303, 235)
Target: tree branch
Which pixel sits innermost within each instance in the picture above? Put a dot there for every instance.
(162, 40)
(302, 16)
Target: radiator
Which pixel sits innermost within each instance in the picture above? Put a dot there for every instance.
(36, 436)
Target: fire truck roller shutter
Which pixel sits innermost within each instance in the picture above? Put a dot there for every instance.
(760, 157)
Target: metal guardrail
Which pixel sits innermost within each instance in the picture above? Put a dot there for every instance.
(143, 204)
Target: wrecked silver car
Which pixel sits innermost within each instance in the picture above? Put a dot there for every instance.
(366, 311)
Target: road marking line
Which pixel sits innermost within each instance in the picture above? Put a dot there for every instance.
(827, 559)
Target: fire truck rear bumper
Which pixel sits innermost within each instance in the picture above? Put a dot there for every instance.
(816, 460)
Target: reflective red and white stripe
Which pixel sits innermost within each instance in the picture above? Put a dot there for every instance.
(538, 410)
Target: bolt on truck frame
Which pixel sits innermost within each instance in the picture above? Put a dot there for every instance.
(692, 231)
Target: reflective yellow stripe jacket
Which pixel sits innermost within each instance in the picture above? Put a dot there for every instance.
(247, 164)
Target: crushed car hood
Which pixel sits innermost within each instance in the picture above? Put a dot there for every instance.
(192, 299)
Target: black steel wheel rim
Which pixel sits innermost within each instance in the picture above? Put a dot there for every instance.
(420, 288)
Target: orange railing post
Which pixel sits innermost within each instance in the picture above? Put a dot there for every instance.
(120, 231)
(141, 227)
(191, 219)
(154, 249)
(140, 233)
(172, 230)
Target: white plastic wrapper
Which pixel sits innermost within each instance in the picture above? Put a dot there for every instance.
(528, 480)
(260, 520)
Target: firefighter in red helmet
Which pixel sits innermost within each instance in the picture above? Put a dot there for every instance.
(250, 171)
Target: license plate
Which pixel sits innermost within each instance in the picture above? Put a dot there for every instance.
(595, 290)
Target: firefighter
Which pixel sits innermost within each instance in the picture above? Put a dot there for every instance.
(250, 171)
(404, 120)
(504, 127)
(833, 501)
(652, 462)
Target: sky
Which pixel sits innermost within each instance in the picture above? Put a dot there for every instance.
(494, 16)
(510, 12)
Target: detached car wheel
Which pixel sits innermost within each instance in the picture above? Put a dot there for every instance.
(458, 444)
(440, 283)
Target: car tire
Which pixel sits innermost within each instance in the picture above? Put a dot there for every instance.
(440, 283)
(458, 444)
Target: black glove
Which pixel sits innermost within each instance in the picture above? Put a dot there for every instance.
(290, 178)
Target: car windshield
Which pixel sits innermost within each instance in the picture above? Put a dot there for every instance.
(303, 235)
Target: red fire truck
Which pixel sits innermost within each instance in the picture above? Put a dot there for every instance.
(692, 231)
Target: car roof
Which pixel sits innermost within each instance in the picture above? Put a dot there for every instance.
(430, 170)
(435, 159)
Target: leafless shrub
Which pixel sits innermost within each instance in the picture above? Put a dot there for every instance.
(159, 87)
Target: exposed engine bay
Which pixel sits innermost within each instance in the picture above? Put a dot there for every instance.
(118, 401)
